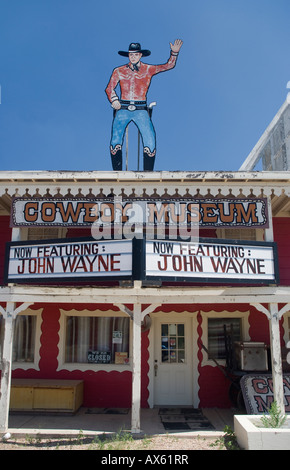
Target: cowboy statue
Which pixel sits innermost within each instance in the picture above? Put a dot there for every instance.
(134, 80)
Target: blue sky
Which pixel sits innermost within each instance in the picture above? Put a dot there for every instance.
(56, 58)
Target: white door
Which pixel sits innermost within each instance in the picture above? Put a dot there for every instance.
(173, 362)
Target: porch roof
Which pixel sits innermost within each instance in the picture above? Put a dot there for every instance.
(137, 294)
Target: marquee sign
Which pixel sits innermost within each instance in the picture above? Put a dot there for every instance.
(145, 211)
(211, 260)
(208, 260)
(68, 260)
(258, 392)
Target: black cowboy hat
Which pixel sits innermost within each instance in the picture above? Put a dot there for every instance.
(135, 47)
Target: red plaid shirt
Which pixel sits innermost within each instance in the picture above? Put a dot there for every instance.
(134, 84)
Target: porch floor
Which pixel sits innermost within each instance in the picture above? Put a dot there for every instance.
(91, 422)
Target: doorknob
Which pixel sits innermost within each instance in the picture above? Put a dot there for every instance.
(155, 368)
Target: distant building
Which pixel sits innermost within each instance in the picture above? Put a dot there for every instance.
(273, 148)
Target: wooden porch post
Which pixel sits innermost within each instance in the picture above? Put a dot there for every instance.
(137, 316)
(136, 370)
(9, 321)
(274, 315)
(9, 316)
(276, 360)
(275, 341)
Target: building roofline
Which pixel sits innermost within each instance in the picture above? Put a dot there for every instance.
(137, 176)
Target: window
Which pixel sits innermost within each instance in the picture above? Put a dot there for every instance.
(251, 234)
(172, 342)
(286, 326)
(216, 335)
(97, 340)
(45, 233)
(24, 338)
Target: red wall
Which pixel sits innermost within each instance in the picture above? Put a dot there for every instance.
(113, 389)
(281, 226)
(101, 389)
(5, 236)
(104, 389)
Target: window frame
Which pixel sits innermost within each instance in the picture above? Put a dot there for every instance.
(70, 366)
(286, 327)
(35, 364)
(244, 316)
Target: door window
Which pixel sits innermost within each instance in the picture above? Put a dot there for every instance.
(172, 343)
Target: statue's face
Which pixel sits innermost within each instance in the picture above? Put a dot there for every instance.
(134, 57)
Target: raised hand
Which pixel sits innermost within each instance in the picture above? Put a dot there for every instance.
(176, 46)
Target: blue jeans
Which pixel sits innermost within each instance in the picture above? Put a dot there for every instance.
(142, 120)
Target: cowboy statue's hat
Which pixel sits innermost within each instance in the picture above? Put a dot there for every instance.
(135, 47)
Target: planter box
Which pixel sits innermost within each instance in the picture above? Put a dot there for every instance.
(252, 437)
(46, 395)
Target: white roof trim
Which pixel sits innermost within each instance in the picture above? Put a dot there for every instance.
(254, 156)
(135, 176)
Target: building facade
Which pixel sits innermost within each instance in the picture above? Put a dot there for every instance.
(138, 336)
